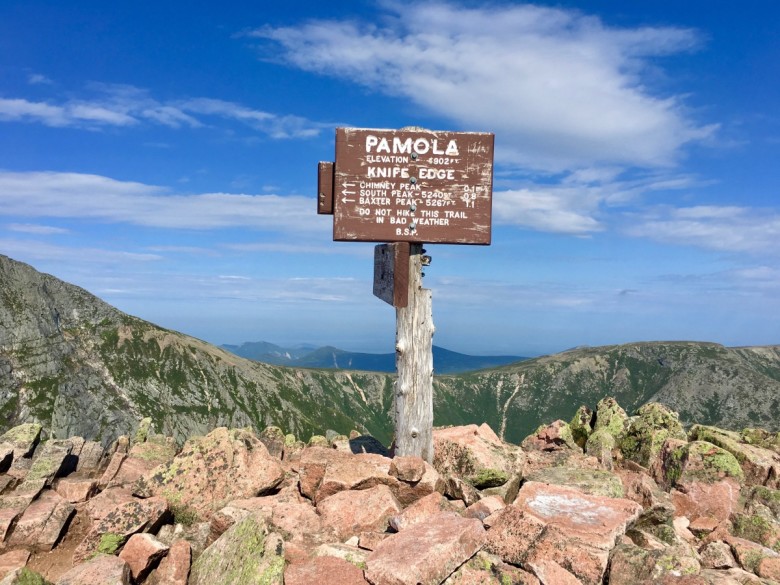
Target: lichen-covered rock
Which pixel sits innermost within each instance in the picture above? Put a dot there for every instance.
(24, 438)
(591, 481)
(109, 534)
(647, 431)
(760, 466)
(679, 462)
(600, 445)
(212, 470)
(247, 554)
(611, 417)
(630, 564)
(274, 440)
(581, 425)
(476, 454)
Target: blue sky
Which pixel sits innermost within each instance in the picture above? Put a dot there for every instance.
(164, 156)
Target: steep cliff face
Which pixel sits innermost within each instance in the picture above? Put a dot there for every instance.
(80, 367)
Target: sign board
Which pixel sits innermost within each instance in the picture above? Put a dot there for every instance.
(412, 185)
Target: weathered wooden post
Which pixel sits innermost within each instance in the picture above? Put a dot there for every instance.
(414, 364)
(407, 187)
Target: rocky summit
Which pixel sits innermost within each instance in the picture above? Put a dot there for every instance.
(605, 498)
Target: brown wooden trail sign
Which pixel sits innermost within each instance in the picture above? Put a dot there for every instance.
(408, 187)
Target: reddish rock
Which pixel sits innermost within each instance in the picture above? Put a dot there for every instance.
(485, 507)
(174, 569)
(324, 472)
(512, 533)
(769, 568)
(749, 553)
(408, 469)
(142, 458)
(588, 563)
(349, 513)
(106, 501)
(142, 552)
(703, 525)
(551, 573)
(90, 457)
(102, 570)
(472, 575)
(297, 519)
(420, 511)
(459, 489)
(713, 500)
(113, 468)
(370, 540)
(212, 470)
(13, 560)
(556, 436)
(595, 520)
(427, 553)
(640, 487)
(10, 510)
(42, 523)
(324, 570)
(76, 490)
(122, 522)
(476, 454)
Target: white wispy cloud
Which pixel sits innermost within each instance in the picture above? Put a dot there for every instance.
(115, 105)
(723, 228)
(76, 195)
(41, 230)
(38, 79)
(560, 89)
(35, 250)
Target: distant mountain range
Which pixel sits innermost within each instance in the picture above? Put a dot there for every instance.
(444, 360)
(82, 368)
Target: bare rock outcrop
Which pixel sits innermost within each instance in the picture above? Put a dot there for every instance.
(701, 509)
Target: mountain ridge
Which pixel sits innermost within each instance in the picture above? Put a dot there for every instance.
(445, 361)
(81, 367)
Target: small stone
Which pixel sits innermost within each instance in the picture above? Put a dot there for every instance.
(141, 553)
(174, 569)
(408, 469)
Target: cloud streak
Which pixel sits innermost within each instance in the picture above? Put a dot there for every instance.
(84, 196)
(722, 228)
(560, 89)
(123, 106)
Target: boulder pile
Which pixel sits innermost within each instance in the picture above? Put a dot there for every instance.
(606, 498)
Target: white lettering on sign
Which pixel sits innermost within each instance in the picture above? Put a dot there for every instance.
(420, 146)
(387, 172)
(448, 174)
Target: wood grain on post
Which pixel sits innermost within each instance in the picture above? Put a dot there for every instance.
(414, 363)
